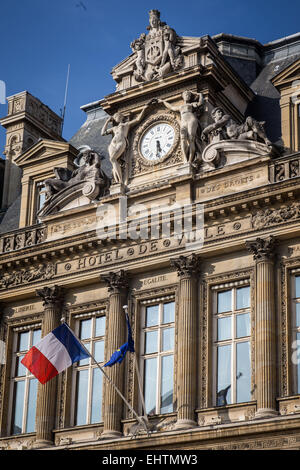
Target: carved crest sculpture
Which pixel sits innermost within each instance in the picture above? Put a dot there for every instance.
(157, 53)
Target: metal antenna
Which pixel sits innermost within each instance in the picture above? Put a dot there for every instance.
(65, 100)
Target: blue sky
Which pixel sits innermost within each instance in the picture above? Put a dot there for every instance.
(39, 38)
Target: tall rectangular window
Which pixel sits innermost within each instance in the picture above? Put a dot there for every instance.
(88, 377)
(232, 333)
(24, 384)
(158, 357)
(296, 330)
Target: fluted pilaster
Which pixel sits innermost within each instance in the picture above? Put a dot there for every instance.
(265, 322)
(188, 269)
(117, 287)
(46, 397)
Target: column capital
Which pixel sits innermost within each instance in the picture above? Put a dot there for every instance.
(52, 296)
(187, 266)
(263, 249)
(116, 281)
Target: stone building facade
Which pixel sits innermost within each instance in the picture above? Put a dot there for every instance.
(178, 197)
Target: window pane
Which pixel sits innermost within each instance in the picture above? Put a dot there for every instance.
(169, 312)
(243, 325)
(18, 407)
(30, 425)
(297, 281)
(243, 297)
(85, 361)
(168, 339)
(150, 385)
(224, 375)
(243, 383)
(96, 411)
(20, 369)
(298, 364)
(85, 329)
(224, 301)
(82, 391)
(151, 342)
(99, 351)
(100, 326)
(152, 315)
(167, 385)
(36, 337)
(297, 314)
(23, 341)
(224, 328)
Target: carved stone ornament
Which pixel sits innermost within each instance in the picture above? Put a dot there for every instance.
(87, 180)
(52, 296)
(266, 217)
(228, 141)
(263, 249)
(187, 266)
(157, 53)
(141, 164)
(115, 281)
(40, 273)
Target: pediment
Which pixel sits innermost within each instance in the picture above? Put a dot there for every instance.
(45, 150)
(288, 75)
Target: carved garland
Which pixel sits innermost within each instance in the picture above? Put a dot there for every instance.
(141, 164)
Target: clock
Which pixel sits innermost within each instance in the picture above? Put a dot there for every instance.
(157, 141)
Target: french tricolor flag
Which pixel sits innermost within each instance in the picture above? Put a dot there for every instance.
(54, 353)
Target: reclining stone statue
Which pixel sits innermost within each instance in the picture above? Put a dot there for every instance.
(225, 128)
(89, 171)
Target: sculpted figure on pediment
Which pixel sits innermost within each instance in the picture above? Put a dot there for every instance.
(120, 126)
(89, 171)
(225, 128)
(190, 111)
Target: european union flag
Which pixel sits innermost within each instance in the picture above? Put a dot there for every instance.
(120, 353)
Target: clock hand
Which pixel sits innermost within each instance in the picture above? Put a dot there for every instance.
(158, 147)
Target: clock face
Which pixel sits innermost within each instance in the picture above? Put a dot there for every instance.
(157, 141)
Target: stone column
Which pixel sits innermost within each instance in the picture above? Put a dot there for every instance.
(46, 396)
(265, 326)
(188, 269)
(116, 336)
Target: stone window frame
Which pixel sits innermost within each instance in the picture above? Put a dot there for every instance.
(76, 318)
(15, 330)
(136, 304)
(231, 286)
(159, 354)
(8, 326)
(206, 372)
(294, 330)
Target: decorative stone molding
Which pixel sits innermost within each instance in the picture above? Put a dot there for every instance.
(116, 282)
(22, 239)
(52, 296)
(229, 152)
(40, 273)
(187, 266)
(262, 248)
(266, 217)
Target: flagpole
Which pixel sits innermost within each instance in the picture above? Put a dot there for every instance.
(108, 378)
